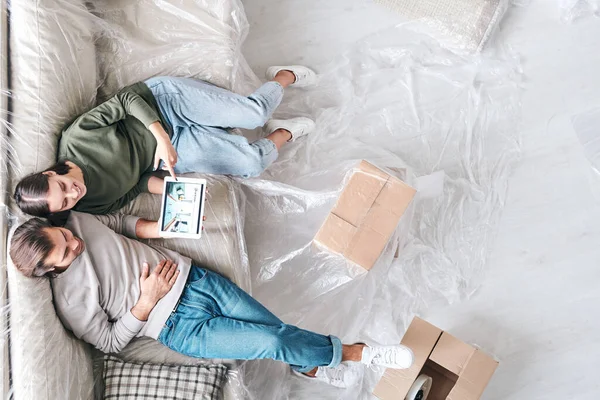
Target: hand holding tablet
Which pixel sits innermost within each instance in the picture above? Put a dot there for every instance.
(182, 208)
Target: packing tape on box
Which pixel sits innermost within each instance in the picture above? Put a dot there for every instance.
(420, 389)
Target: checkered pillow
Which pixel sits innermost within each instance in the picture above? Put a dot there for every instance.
(123, 381)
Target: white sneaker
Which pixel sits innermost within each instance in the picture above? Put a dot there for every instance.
(342, 376)
(397, 357)
(298, 127)
(304, 75)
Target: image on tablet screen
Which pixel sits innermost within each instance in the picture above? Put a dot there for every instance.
(182, 207)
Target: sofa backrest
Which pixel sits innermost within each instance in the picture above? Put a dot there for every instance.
(145, 38)
(4, 358)
(56, 46)
(53, 77)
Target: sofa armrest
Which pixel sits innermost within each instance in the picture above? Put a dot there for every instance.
(4, 328)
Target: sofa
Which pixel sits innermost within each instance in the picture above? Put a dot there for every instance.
(65, 57)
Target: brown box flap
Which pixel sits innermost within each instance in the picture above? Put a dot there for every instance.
(372, 170)
(365, 247)
(474, 378)
(421, 338)
(336, 234)
(381, 220)
(443, 380)
(373, 235)
(451, 353)
(396, 195)
(360, 193)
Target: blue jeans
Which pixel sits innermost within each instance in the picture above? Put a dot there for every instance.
(217, 319)
(200, 113)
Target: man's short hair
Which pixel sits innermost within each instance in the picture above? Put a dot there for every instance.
(30, 246)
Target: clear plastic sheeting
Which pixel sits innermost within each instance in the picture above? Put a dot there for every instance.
(448, 124)
(198, 38)
(572, 10)
(445, 123)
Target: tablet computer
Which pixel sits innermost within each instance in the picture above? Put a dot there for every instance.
(182, 207)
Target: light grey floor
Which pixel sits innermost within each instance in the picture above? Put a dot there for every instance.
(538, 308)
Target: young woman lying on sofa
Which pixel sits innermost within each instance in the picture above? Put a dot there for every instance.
(107, 155)
(106, 294)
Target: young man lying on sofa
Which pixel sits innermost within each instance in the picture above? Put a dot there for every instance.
(107, 294)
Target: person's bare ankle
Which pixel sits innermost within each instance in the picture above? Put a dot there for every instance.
(352, 352)
(285, 77)
(285, 132)
(359, 348)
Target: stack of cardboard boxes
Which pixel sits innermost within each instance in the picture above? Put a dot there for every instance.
(359, 227)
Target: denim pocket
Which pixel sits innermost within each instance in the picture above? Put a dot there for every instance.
(196, 275)
(167, 332)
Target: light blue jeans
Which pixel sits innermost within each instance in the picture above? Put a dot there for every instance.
(216, 319)
(200, 113)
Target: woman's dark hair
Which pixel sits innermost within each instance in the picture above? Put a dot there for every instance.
(31, 191)
(30, 246)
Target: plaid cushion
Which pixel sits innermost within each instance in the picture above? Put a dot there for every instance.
(123, 380)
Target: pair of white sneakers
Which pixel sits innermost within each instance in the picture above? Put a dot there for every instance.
(348, 374)
(300, 126)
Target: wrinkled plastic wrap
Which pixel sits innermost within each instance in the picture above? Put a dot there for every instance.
(445, 123)
(572, 10)
(449, 125)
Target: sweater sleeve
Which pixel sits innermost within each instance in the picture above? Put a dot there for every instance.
(141, 187)
(120, 223)
(117, 108)
(88, 321)
(119, 203)
(143, 182)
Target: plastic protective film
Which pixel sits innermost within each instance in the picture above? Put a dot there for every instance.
(445, 123)
(572, 10)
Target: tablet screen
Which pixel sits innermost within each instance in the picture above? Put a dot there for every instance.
(181, 208)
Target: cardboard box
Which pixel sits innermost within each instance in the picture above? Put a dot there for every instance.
(366, 215)
(459, 371)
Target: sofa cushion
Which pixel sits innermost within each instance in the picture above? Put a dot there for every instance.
(53, 76)
(53, 79)
(140, 381)
(196, 39)
(147, 350)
